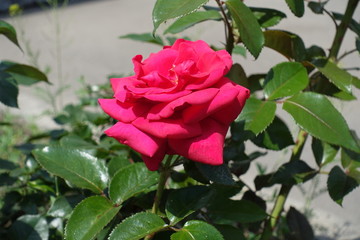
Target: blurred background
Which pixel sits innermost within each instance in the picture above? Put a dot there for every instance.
(77, 43)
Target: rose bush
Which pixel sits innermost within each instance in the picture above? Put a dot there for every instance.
(178, 102)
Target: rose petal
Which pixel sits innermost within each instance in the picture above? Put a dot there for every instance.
(165, 110)
(168, 128)
(141, 142)
(196, 113)
(206, 148)
(125, 112)
(230, 112)
(152, 163)
(160, 62)
(166, 97)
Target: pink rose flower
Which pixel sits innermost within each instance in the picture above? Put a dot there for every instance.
(178, 102)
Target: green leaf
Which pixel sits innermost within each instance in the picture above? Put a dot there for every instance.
(267, 17)
(23, 74)
(131, 180)
(118, 162)
(9, 90)
(315, 113)
(339, 184)
(63, 206)
(230, 232)
(296, 7)
(257, 114)
(197, 230)
(78, 167)
(350, 161)
(321, 84)
(218, 174)
(29, 227)
(276, 137)
(143, 37)
(248, 26)
(191, 19)
(137, 226)
(89, 217)
(341, 78)
(293, 172)
(317, 7)
(242, 211)
(285, 79)
(9, 31)
(74, 141)
(239, 50)
(299, 226)
(288, 44)
(324, 153)
(182, 202)
(357, 44)
(164, 10)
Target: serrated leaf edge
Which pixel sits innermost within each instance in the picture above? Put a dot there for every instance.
(77, 205)
(133, 216)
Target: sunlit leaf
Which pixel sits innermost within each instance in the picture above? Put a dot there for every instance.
(288, 44)
(257, 115)
(137, 226)
(78, 167)
(248, 26)
(198, 230)
(164, 11)
(315, 113)
(89, 217)
(341, 78)
(296, 7)
(191, 19)
(131, 180)
(285, 79)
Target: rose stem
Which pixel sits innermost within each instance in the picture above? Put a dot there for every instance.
(164, 174)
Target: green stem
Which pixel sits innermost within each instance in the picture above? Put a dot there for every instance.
(164, 175)
(285, 189)
(228, 29)
(341, 29)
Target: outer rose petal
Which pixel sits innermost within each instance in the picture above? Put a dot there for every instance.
(125, 112)
(206, 148)
(168, 128)
(141, 142)
(228, 94)
(230, 112)
(152, 163)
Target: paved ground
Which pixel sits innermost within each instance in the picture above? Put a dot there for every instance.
(90, 48)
